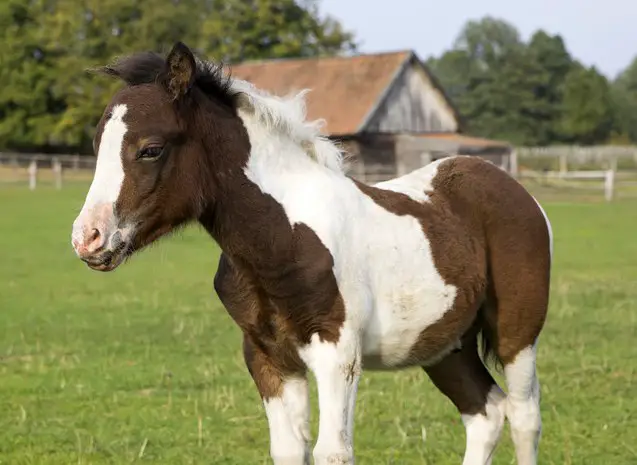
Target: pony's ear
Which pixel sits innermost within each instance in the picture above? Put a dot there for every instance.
(181, 70)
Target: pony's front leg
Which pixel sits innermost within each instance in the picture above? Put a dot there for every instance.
(337, 368)
(285, 398)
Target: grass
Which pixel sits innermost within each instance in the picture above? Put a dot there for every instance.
(144, 366)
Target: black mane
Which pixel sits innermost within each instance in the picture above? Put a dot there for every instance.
(150, 67)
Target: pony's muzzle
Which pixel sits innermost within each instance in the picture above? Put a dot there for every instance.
(97, 240)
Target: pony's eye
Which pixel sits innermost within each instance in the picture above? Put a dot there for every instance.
(150, 152)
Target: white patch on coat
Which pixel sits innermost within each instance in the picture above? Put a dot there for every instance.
(97, 211)
(523, 405)
(483, 431)
(415, 184)
(288, 420)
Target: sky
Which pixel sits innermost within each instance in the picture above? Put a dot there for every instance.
(596, 32)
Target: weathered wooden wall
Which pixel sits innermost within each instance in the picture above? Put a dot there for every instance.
(377, 157)
(413, 104)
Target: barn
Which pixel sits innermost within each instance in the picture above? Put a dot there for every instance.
(386, 109)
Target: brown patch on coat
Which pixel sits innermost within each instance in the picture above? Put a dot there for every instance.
(459, 259)
(463, 378)
(289, 266)
(517, 246)
(490, 240)
(487, 236)
(276, 324)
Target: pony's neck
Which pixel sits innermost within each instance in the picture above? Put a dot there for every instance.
(253, 214)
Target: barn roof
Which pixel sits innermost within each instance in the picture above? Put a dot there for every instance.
(344, 90)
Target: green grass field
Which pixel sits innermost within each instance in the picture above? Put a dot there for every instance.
(143, 364)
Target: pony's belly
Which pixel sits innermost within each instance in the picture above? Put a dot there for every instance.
(391, 338)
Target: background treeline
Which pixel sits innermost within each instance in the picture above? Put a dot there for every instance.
(531, 93)
(49, 103)
(535, 92)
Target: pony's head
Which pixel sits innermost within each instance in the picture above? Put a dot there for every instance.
(158, 159)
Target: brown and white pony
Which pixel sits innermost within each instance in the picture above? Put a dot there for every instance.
(322, 272)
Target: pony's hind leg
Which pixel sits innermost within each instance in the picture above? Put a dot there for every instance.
(523, 405)
(512, 327)
(520, 271)
(464, 379)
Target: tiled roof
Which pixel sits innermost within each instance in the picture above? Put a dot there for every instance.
(343, 90)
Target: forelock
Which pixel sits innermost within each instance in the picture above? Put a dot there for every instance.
(138, 68)
(150, 67)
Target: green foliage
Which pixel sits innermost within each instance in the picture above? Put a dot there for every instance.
(549, 54)
(49, 102)
(505, 103)
(586, 106)
(624, 95)
(486, 41)
(533, 93)
(238, 30)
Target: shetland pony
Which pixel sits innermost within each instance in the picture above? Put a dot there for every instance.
(322, 272)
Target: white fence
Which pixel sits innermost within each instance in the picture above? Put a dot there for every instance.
(596, 172)
(34, 169)
(606, 172)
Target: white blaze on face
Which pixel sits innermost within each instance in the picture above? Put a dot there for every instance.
(109, 172)
(97, 212)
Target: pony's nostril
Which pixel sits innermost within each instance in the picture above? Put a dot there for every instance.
(95, 234)
(94, 240)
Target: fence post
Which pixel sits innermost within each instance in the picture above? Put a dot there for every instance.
(33, 174)
(513, 163)
(57, 172)
(609, 185)
(563, 163)
(16, 164)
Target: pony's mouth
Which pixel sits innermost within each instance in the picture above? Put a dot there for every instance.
(111, 259)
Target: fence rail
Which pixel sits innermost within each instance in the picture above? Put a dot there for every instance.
(602, 172)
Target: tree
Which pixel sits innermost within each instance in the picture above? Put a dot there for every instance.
(549, 52)
(28, 103)
(533, 93)
(624, 95)
(495, 81)
(486, 41)
(49, 102)
(238, 30)
(504, 105)
(587, 106)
